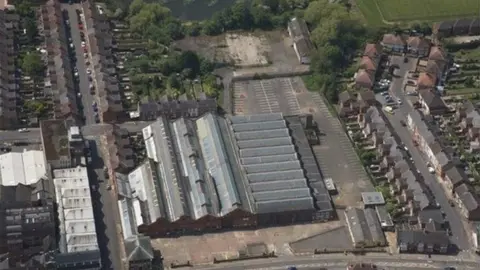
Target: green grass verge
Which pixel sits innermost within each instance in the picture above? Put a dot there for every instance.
(416, 10)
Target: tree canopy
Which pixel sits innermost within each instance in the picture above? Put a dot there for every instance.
(32, 64)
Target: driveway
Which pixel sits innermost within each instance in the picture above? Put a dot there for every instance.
(83, 83)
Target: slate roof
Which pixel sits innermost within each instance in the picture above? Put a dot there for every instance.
(417, 237)
(432, 100)
(301, 36)
(456, 176)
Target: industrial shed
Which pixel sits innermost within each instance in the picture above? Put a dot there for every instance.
(274, 172)
(364, 227)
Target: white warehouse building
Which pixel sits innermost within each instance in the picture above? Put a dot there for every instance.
(77, 224)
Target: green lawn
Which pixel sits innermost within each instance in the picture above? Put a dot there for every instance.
(378, 11)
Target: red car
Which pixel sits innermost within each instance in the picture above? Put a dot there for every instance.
(80, 26)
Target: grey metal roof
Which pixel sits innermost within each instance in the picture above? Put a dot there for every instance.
(239, 119)
(267, 151)
(364, 225)
(258, 126)
(192, 168)
(217, 163)
(268, 159)
(284, 205)
(275, 176)
(383, 216)
(264, 142)
(266, 134)
(372, 198)
(374, 225)
(272, 167)
(288, 184)
(284, 194)
(174, 198)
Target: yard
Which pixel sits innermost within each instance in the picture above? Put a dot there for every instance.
(378, 12)
(466, 80)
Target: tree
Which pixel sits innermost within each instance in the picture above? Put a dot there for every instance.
(33, 65)
(30, 29)
(470, 81)
(174, 82)
(189, 60)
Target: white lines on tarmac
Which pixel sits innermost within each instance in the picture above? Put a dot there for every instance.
(290, 96)
(400, 265)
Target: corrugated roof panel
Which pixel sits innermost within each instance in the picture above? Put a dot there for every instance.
(259, 126)
(256, 118)
(262, 134)
(267, 151)
(264, 143)
(272, 167)
(285, 205)
(278, 185)
(275, 176)
(217, 163)
(276, 195)
(269, 159)
(192, 170)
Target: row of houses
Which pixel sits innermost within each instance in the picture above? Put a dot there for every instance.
(100, 40)
(8, 84)
(59, 82)
(414, 45)
(460, 27)
(369, 63)
(425, 229)
(445, 162)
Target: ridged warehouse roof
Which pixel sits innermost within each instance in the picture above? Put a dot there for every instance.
(217, 163)
(269, 159)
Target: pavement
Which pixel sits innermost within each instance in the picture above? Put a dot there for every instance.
(33, 134)
(105, 211)
(340, 261)
(83, 83)
(459, 235)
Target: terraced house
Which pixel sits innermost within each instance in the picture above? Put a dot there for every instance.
(108, 94)
(59, 83)
(8, 85)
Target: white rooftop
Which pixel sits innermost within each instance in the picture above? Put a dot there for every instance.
(77, 224)
(22, 167)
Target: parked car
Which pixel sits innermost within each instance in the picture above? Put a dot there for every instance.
(403, 123)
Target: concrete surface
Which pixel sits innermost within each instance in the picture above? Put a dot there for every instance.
(337, 238)
(228, 244)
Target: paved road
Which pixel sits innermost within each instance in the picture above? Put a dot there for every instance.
(337, 261)
(33, 135)
(454, 218)
(83, 83)
(105, 211)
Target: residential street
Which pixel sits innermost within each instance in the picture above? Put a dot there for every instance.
(105, 211)
(83, 83)
(459, 237)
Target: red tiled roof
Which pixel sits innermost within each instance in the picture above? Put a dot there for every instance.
(418, 42)
(367, 63)
(372, 50)
(426, 80)
(438, 54)
(364, 78)
(392, 39)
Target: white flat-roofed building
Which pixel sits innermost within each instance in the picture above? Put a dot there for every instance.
(25, 167)
(77, 224)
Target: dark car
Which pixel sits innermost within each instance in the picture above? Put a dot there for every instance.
(405, 60)
(403, 123)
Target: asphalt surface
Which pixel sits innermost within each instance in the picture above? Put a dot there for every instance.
(83, 83)
(33, 134)
(459, 235)
(337, 261)
(105, 211)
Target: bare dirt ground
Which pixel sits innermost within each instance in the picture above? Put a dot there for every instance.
(245, 49)
(201, 249)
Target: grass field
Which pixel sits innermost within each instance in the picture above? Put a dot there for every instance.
(376, 12)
